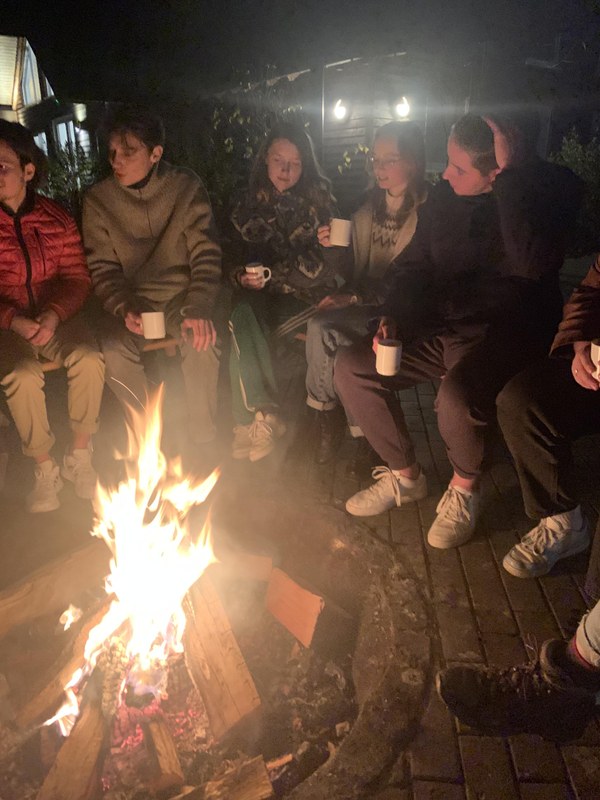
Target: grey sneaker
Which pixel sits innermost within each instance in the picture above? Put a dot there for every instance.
(44, 495)
(553, 538)
(264, 432)
(387, 492)
(456, 519)
(77, 468)
(242, 441)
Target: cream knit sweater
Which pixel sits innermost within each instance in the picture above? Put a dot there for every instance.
(153, 247)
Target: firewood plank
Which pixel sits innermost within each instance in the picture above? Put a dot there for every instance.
(215, 663)
(53, 587)
(249, 781)
(76, 772)
(167, 768)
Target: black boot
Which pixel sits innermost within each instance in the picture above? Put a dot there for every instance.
(330, 434)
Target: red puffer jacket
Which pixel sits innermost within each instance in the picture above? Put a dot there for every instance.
(42, 265)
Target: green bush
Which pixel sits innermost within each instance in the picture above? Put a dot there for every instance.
(70, 172)
(584, 160)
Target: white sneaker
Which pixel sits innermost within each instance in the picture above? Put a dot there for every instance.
(44, 495)
(242, 441)
(77, 468)
(388, 491)
(264, 431)
(553, 538)
(456, 518)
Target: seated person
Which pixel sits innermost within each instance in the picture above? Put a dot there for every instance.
(151, 245)
(553, 697)
(275, 223)
(541, 411)
(381, 229)
(475, 298)
(44, 282)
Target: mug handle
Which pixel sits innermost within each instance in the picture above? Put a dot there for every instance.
(267, 274)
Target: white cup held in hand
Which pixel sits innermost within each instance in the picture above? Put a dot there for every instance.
(256, 268)
(595, 356)
(153, 324)
(341, 232)
(389, 356)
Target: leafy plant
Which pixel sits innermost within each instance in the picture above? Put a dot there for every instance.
(70, 172)
(584, 160)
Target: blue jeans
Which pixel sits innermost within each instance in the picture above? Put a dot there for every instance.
(327, 331)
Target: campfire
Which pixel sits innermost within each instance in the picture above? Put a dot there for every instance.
(159, 620)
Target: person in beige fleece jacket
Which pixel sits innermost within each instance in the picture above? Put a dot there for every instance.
(151, 245)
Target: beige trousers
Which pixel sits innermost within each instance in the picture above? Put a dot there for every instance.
(22, 381)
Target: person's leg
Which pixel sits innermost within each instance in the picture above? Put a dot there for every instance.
(541, 412)
(75, 347)
(372, 402)
(124, 371)
(201, 374)
(592, 577)
(22, 381)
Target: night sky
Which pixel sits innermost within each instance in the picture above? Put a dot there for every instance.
(116, 49)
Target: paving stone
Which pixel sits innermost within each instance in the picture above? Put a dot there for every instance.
(405, 525)
(496, 620)
(427, 509)
(537, 627)
(483, 578)
(447, 577)
(458, 632)
(583, 765)
(430, 790)
(416, 559)
(565, 600)
(434, 751)
(545, 791)
(535, 759)
(392, 793)
(524, 594)
(487, 769)
(503, 650)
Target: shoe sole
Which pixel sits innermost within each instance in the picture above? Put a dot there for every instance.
(441, 544)
(540, 571)
(261, 454)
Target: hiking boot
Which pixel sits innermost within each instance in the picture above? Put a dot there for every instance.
(77, 468)
(553, 538)
(44, 495)
(264, 431)
(387, 492)
(242, 441)
(546, 697)
(329, 435)
(456, 518)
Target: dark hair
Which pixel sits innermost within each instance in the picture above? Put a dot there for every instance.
(474, 135)
(312, 184)
(22, 142)
(147, 126)
(411, 146)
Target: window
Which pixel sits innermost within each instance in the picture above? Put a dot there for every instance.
(30, 83)
(64, 133)
(41, 141)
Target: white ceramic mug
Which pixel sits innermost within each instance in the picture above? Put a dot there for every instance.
(153, 324)
(341, 232)
(389, 356)
(256, 268)
(595, 356)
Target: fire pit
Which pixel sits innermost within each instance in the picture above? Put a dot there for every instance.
(321, 576)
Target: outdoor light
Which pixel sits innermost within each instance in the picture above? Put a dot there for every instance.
(340, 111)
(402, 108)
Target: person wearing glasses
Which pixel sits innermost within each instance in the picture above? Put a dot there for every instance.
(475, 298)
(381, 229)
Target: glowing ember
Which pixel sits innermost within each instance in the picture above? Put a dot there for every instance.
(155, 560)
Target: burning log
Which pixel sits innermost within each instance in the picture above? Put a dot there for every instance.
(214, 660)
(315, 620)
(53, 586)
(249, 781)
(76, 772)
(167, 769)
(44, 697)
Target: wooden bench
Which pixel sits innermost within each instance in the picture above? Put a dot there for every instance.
(169, 345)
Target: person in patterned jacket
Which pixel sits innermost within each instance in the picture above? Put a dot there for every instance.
(275, 224)
(44, 282)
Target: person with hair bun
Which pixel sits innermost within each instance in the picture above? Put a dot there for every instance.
(475, 297)
(381, 229)
(44, 282)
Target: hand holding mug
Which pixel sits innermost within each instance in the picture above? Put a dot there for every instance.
(133, 323)
(387, 330)
(323, 235)
(255, 276)
(583, 367)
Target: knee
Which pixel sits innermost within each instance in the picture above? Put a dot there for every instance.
(513, 400)
(453, 396)
(26, 375)
(348, 363)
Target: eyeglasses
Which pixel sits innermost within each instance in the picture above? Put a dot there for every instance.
(383, 163)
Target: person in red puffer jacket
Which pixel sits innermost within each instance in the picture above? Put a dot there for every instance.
(44, 282)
